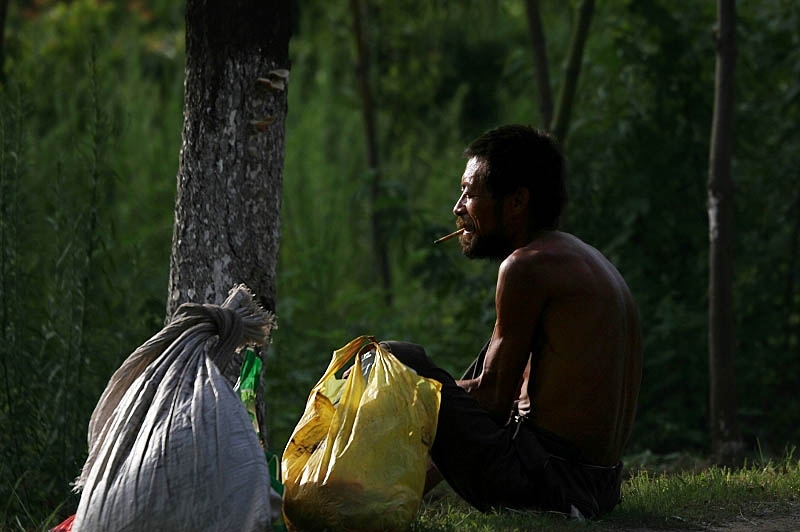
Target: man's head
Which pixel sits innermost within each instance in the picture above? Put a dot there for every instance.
(512, 171)
(521, 156)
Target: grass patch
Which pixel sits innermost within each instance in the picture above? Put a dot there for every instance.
(654, 498)
(651, 500)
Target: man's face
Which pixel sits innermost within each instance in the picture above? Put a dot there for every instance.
(481, 215)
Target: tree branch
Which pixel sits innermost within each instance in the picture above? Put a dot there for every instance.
(540, 65)
(379, 238)
(572, 70)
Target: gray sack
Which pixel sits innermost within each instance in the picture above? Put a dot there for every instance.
(171, 446)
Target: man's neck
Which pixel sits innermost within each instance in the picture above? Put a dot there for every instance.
(529, 236)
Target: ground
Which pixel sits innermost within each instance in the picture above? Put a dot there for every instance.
(763, 520)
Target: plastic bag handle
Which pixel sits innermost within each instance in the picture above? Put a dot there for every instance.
(342, 356)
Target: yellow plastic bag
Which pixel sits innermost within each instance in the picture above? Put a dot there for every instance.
(358, 457)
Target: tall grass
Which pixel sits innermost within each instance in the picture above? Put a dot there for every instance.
(86, 225)
(11, 170)
(47, 290)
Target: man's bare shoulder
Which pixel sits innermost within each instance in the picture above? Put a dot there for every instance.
(550, 250)
(563, 263)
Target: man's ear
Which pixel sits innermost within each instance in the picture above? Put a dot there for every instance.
(519, 199)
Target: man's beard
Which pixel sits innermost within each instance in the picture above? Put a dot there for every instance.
(492, 246)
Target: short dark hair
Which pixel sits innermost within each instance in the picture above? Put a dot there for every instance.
(523, 156)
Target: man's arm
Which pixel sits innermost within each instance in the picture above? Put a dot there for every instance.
(519, 300)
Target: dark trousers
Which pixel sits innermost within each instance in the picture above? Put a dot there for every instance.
(516, 465)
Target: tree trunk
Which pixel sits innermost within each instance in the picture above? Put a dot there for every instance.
(540, 65)
(725, 435)
(572, 69)
(227, 209)
(379, 234)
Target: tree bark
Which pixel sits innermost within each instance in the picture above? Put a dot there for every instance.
(379, 234)
(227, 209)
(540, 65)
(572, 69)
(725, 434)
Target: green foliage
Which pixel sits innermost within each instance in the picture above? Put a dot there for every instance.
(768, 219)
(638, 157)
(90, 128)
(638, 194)
(328, 292)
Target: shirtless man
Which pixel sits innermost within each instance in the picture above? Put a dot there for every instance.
(542, 417)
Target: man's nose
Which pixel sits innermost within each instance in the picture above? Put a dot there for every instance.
(458, 208)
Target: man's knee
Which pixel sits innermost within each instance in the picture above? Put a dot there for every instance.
(412, 355)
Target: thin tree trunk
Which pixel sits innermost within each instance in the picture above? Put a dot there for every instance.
(379, 236)
(725, 435)
(571, 71)
(540, 65)
(227, 210)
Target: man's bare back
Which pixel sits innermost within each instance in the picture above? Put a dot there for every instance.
(586, 356)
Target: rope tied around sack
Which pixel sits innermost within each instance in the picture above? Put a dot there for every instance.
(238, 322)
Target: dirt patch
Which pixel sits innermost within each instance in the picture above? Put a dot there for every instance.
(784, 519)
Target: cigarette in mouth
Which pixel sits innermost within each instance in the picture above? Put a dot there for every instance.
(445, 238)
